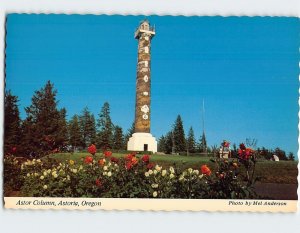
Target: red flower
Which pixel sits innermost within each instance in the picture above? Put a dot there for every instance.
(225, 143)
(88, 159)
(131, 160)
(92, 149)
(114, 159)
(129, 157)
(98, 183)
(107, 153)
(150, 165)
(134, 161)
(205, 170)
(101, 162)
(128, 165)
(14, 149)
(242, 146)
(245, 153)
(146, 158)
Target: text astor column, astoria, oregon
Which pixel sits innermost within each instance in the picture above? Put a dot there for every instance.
(144, 34)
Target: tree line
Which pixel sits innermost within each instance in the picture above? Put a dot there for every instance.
(175, 142)
(46, 129)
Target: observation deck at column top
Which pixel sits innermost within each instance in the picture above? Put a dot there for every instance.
(144, 27)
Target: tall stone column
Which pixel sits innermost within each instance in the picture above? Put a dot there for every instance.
(142, 140)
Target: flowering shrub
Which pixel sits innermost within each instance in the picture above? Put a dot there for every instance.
(132, 176)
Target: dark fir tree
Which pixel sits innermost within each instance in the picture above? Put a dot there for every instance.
(179, 137)
(74, 133)
(118, 138)
(129, 133)
(161, 147)
(87, 126)
(191, 144)
(202, 144)
(280, 153)
(105, 128)
(291, 156)
(62, 136)
(12, 123)
(44, 125)
(169, 143)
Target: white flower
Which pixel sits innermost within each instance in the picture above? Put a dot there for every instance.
(109, 174)
(190, 170)
(49, 171)
(155, 172)
(154, 185)
(68, 177)
(158, 168)
(105, 168)
(146, 174)
(80, 167)
(36, 174)
(45, 186)
(74, 170)
(164, 172)
(196, 172)
(116, 165)
(45, 173)
(55, 175)
(181, 178)
(39, 161)
(201, 176)
(109, 164)
(172, 176)
(104, 173)
(172, 170)
(150, 172)
(154, 194)
(42, 177)
(22, 167)
(28, 174)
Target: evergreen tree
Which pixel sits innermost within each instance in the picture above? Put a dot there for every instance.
(179, 137)
(12, 123)
(280, 153)
(291, 156)
(62, 134)
(202, 144)
(191, 144)
(129, 133)
(74, 132)
(169, 143)
(87, 126)
(162, 144)
(118, 138)
(105, 128)
(44, 126)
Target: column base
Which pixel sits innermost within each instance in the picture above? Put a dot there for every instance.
(142, 142)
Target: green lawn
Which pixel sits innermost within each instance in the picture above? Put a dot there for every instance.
(271, 172)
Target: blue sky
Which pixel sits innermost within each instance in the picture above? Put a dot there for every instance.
(245, 68)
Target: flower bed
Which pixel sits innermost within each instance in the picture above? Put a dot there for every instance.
(130, 177)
